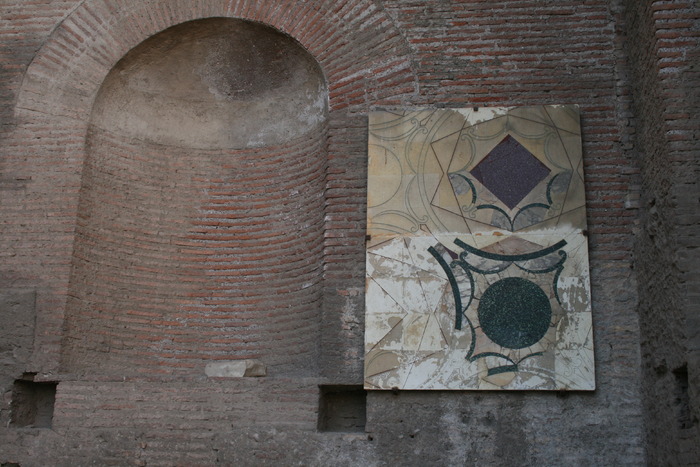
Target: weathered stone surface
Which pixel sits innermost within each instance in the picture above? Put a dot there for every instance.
(17, 318)
(17, 327)
(217, 83)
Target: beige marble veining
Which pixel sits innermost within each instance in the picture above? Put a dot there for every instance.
(439, 239)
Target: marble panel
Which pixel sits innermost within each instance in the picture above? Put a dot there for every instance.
(477, 258)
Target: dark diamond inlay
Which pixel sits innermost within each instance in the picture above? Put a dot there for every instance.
(510, 171)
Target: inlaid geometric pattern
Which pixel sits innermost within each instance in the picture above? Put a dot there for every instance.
(477, 262)
(495, 171)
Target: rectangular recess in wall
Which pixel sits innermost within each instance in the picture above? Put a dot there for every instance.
(682, 398)
(342, 408)
(32, 404)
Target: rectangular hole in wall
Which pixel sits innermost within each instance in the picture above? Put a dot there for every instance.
(682, 398)
(32, 404)
(342, 408)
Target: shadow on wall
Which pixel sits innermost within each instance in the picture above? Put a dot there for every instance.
(200, 225)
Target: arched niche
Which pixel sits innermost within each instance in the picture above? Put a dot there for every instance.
(200, 220)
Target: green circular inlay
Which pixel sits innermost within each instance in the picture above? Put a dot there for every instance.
(514, 313)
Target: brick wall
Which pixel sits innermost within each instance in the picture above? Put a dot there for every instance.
(663, 43)
(373, 54)
(183, 256)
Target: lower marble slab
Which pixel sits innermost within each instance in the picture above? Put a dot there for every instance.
(448, 312)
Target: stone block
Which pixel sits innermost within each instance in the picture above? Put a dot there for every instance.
(235, 369)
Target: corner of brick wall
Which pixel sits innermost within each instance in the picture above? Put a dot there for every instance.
(663, 48)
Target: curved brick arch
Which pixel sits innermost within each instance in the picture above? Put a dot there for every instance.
(361, 53)
(363, 56)
(200, 239)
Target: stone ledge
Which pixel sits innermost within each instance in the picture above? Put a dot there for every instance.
(236, 369)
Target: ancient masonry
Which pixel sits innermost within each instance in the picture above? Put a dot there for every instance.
(186, 270)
